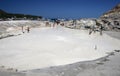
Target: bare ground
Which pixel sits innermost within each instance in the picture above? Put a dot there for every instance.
(106, 66)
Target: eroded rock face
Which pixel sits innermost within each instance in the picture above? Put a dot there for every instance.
(111, 19)
(112, 14)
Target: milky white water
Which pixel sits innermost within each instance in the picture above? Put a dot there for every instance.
(45, 47)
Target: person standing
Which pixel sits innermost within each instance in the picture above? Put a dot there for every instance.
(28, 29)
(22, 29)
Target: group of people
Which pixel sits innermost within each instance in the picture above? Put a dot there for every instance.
(54, 24)
(27, 28)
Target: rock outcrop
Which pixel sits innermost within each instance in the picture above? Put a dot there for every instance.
(111, 19)
(113, 14)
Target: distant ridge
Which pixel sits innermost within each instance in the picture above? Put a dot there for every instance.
(2, 12)
(4, 16)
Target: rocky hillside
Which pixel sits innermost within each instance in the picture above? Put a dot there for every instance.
(111, 19)
(113, 13)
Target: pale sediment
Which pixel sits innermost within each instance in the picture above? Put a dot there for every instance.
(105, 66)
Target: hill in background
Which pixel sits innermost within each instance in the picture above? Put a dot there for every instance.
(10, 16)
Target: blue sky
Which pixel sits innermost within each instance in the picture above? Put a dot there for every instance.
(59, 8)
